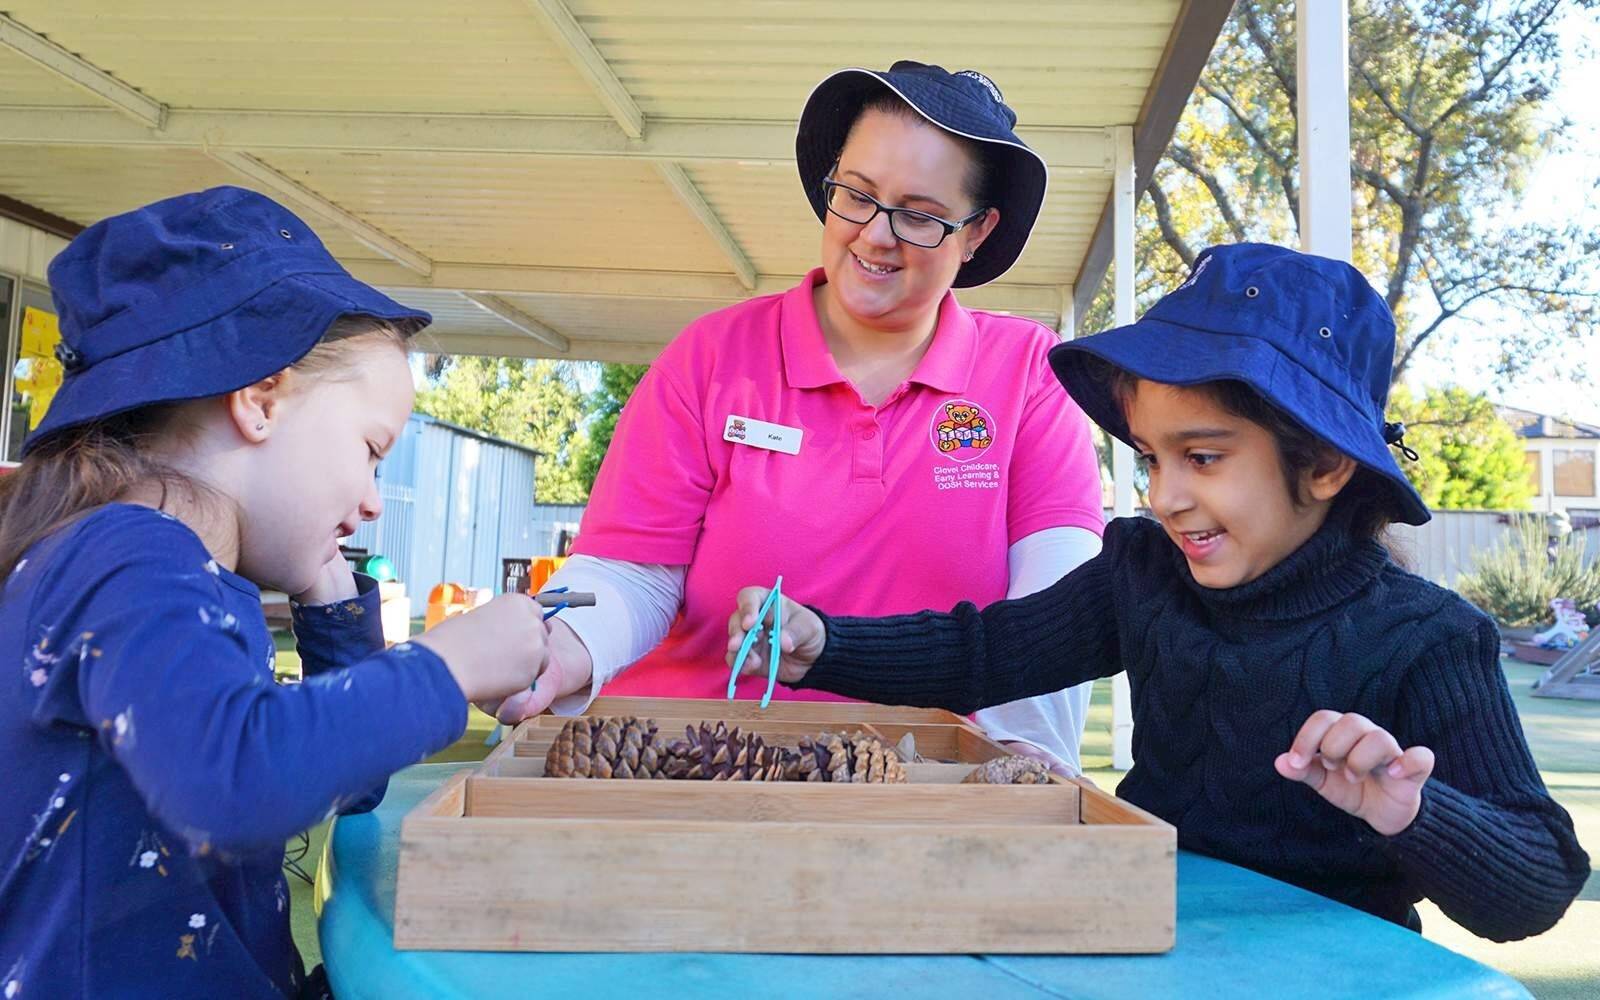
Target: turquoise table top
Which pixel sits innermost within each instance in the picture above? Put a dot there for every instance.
(1239, 935)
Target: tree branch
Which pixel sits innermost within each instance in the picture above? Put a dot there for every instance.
(1412, 126)
(1268, 148)
(1185, 159)
(1269, 49)
(1492, 75)
(1169, 232)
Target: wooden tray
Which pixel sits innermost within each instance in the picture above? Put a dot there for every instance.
(503, 859)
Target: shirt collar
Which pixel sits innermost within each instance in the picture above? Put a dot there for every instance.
(808, 364)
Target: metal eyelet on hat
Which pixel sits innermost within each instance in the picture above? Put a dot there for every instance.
(286, 234)
(1251, 292)
(70, 360)
(1325, 333)
(227, 246)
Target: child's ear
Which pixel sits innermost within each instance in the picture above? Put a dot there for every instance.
(255, 408)
(1332, 472)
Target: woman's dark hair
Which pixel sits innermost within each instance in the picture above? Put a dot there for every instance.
(980, 181)
(1367, 497)
(89, 466)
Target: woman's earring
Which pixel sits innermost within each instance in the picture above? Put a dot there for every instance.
(261, 427)
(966, 258)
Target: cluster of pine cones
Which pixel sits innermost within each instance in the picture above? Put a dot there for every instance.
(630, 747)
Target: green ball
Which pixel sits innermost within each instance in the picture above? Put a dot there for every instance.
(377, 567)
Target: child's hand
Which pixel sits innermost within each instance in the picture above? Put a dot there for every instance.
(494, 650)
(1360, 768)
(800, 644)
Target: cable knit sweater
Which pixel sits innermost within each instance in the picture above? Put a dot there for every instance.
(1222, 680)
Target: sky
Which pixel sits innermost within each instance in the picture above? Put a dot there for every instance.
(1562, 189)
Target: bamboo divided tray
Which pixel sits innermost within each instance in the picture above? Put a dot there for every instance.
(501, 858)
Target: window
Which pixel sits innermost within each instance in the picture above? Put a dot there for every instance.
(1535, 471)
(35, 373)
(1573, 471)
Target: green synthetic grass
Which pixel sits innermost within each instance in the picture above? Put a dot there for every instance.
(1563, 964)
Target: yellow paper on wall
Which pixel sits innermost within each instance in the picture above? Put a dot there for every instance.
(38, 373)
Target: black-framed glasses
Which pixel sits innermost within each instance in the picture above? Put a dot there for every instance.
(908, 225)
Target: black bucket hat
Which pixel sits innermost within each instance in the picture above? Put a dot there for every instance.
(965, 104)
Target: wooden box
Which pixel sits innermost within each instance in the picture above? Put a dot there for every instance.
(504, 859)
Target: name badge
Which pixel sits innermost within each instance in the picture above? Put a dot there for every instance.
(760, 434)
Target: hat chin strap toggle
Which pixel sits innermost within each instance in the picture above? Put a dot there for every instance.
(1395, 434)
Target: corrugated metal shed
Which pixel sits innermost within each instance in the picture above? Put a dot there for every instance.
(455, 502)
(565, 178)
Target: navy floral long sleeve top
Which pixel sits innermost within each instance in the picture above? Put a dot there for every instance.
(154, 768)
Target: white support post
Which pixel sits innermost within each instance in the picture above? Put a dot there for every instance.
(1121, 455)
(1067, 325)
(1322, 73)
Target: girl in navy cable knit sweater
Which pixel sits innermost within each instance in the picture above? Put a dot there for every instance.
(1302, 706)
(229, 391)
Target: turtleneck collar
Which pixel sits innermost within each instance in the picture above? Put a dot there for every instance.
(1330, 568)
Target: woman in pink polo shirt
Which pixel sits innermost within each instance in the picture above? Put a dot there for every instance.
(879, 445)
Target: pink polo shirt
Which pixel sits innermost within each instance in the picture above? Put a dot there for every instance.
(908, 505)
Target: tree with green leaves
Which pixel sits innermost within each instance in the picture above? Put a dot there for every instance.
(1449, 112)
(617, 383)
(534, 403)
(1468, 458)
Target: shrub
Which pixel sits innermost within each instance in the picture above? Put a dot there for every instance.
(1516, 580)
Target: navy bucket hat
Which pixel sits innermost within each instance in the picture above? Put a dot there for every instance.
(191, 297)
(1307, 333)
(965, 104)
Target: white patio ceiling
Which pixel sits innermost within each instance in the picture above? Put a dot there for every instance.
(563, 178)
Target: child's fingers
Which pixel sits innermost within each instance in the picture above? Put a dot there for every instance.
(749, 605)
(1416, 764)
(1310, 737)
(1312, 772)
(1342, 737)
(1372, 752)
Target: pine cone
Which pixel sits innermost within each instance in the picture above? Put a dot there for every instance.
(1017, 770)
(856, 758)
(607, 748)
(721, 754)
(632, 748)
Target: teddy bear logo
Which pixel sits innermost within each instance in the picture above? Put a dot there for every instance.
(962, 426)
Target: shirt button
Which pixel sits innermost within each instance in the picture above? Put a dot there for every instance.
(869, 434)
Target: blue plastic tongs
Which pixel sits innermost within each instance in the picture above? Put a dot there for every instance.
(774, 604)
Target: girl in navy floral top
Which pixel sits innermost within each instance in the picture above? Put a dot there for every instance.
(229, 390)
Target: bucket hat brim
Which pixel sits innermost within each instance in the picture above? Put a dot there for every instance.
(1167, 352)
(831, 111)
(223, 353)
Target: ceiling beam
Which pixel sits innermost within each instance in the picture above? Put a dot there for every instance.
(290, 190)
(1066, 150)
(683, 286)
(499, 346)
(76, 70)
(696, 203)
(522, 321)
(590, 64)
(1189, 46)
